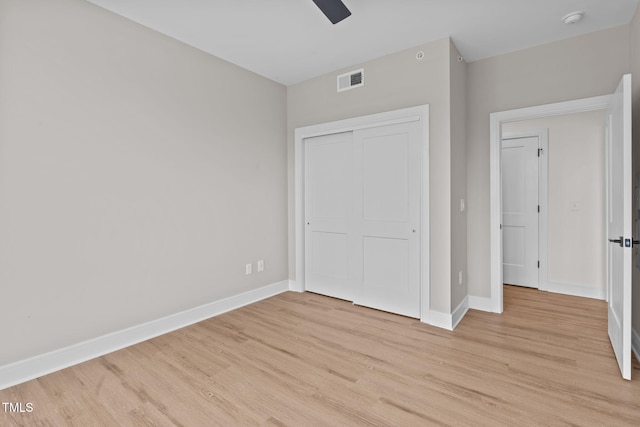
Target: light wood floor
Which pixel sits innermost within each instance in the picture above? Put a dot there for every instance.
(307, 360)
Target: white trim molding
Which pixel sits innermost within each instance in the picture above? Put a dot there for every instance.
(577, 290)
(43, 364)
(481, 303)
(495, 194)
(440, 320)
(295, 286)
(449, 321)
(459, 312)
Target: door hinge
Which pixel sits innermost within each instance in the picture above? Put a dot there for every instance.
(538, 208)
(538, 263)
(539, 151)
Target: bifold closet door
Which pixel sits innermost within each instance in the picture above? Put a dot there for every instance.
(362, 217)
(387, 175)
(329, 215)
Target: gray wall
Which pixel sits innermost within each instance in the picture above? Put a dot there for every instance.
(131, 186)
(458, 122)
(578, 67)
(394, 81)
(137, 176)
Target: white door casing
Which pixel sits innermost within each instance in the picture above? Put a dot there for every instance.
(619, 227)
(520, 211)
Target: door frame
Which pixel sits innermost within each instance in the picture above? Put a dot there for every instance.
(543, 199)
(419, 113)
(495, 192)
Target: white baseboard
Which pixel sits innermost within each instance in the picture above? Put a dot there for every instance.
(481, 303)
(486, 303)
(440, 320)
(448, 321)
(459, 312)
(37, 366)
(295, 286)
(635, 344)
(576, 290)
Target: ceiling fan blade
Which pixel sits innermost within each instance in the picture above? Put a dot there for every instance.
(335, 10)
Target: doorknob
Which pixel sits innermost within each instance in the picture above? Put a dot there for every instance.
(619, 241)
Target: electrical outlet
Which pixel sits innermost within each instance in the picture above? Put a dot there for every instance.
(260, 265)
(247, 269)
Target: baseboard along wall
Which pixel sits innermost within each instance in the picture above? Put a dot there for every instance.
(487, 303)
(43, 364)
(481, 303)
(459, 312)
(448, 321)
(577, 290)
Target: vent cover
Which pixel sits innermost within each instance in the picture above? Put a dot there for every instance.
(351, 80)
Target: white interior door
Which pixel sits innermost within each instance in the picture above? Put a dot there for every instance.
(520, 211)
(362, 216)
(619, 189)
(387, 165)
(329, 215)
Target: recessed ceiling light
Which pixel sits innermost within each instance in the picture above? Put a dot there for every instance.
(573, 17)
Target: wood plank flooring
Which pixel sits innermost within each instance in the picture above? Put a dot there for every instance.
(308, 360)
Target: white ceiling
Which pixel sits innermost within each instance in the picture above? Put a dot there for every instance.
(291, 40)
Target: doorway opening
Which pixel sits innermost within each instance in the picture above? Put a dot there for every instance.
(619, 239)
(497, 122)
(554, 234)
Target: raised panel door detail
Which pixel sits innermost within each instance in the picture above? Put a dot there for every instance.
(385, 180)
(329, 168)
(514, 245)
(514, 185)
(329, 255)
(386, 265)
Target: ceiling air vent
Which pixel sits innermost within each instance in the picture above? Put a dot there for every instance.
(351, 80)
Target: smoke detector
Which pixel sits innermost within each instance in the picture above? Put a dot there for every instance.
(573, 17)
